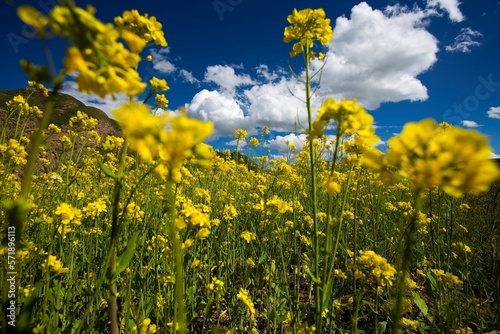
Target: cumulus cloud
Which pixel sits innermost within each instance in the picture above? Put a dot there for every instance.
(279, 143)
(220, 109)
(494, 112)
(263, 71)
(164, 65)
(188, 76)
(464, 41)
(240, 143)
(226, 78)
(273, 104)
(376, 56)
(470, 124)
(494, 155)
(160, 61)
(450, 6)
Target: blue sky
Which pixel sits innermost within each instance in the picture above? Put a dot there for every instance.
(226, 62)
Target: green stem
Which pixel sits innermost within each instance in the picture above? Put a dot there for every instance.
(405, 261)
(115, 231)
(329, 212)
(341, 221)
(312, 156)
(355, 251)
(179, 307)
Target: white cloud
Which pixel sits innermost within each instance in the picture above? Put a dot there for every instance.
(220, 109)
(376, 57)
(188, 76)
(494, 112)
(226, 78)
(273, 105)
(281, 147)
(233, 142)
(464, 41)
(164, 66)
(106, 104)
(470, 124)
(263, 71)
(160, 61)
(380, 143)
(450, 6)
(494, 156)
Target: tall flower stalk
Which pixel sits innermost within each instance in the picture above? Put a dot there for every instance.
(309, 27)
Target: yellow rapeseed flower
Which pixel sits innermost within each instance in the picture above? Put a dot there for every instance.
(240, 134)
(202, 233)
(248, 236)
(158, 85)
(378, 266)
(429, 155)
(307, 26)
(54, 265)
(144, 26)
(217, 286)
(409, 324)
(104, 65)
(161, 101)
(244, 296)
(93, 209)
(68, 214)
(349, 117)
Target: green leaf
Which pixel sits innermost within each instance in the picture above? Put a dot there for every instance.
(420, 303)
(107, 171)
(422, 306)
(124, 259)
(381, 327)
(432, 280)
(311, 275)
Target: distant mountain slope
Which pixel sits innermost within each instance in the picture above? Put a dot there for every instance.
(66, 106)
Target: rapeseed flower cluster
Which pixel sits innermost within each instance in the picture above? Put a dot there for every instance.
(161, 101)
(446, 278)
(112, 143)
(244, 296)
(18, 103)
(278, 205)
(15, 152)
(240, 134)
(428, 155)
(377, 266)
(307, 26)
(461, 246)
(216, 286)
(82, 121)
(68, 214)
(248, 236)
(39, 87)
(350, 118)
(54, 265)
(93, 209)
(144, 26)
(146, 134)
(104, 65)
(145, 327)
(409, 324)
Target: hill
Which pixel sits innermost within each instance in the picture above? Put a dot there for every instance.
(65, 107)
